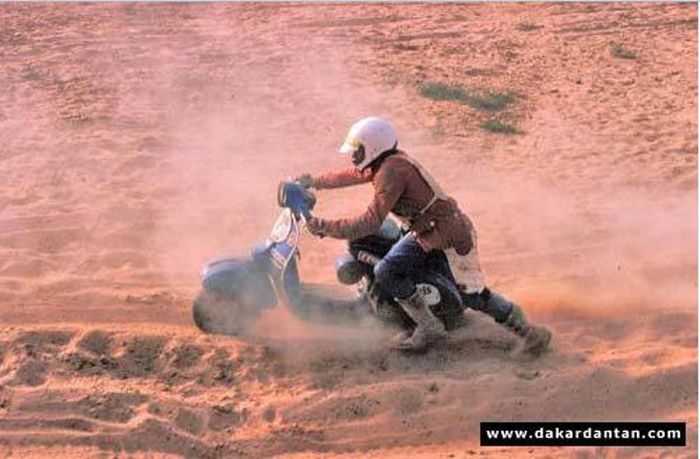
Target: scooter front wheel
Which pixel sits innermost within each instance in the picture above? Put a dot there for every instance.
(226, 315)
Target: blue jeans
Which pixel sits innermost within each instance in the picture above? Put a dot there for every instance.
(396, 269)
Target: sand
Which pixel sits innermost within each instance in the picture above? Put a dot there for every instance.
(139, 141)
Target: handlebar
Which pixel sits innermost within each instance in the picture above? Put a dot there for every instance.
(297, 198)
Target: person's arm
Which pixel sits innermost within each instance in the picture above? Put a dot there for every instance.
(390, 183)
(344, 178)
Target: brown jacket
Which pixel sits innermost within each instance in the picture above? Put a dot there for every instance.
(400, 187)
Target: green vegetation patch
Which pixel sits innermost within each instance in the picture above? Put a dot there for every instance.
(491, 101)
(500, 127)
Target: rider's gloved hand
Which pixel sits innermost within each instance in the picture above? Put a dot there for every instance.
(316, 226)
(422, 224)
(305, 180)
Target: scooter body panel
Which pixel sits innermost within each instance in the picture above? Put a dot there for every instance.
(254, 283)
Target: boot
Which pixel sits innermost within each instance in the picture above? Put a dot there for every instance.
(536, 338)
(511, 316)
(428, 327)
(399, 338)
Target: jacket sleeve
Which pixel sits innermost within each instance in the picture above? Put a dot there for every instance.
(344, 178)
(389, 184)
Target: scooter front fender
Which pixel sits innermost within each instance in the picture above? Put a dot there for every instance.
(240, 278)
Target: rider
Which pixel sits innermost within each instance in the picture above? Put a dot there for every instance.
(435, 222)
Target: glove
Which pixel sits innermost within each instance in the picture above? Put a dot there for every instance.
(422, 224)
(305, 180)
(316, 226)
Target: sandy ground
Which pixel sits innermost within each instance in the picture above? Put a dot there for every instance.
(139, 141)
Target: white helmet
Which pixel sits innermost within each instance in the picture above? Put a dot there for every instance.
(367, 139)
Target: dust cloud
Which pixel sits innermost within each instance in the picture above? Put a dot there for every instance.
(272, 114)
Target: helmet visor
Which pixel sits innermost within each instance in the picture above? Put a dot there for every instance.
(347, 149)
(350, 145)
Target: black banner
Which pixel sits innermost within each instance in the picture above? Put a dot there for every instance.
(583, 434)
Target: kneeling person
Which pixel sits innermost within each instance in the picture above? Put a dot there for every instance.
(403, 187)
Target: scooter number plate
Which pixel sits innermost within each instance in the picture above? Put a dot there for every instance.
(282, 227)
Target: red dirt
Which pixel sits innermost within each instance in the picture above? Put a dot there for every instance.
(141, 140)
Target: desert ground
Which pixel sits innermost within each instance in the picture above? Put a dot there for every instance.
(139, 141)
